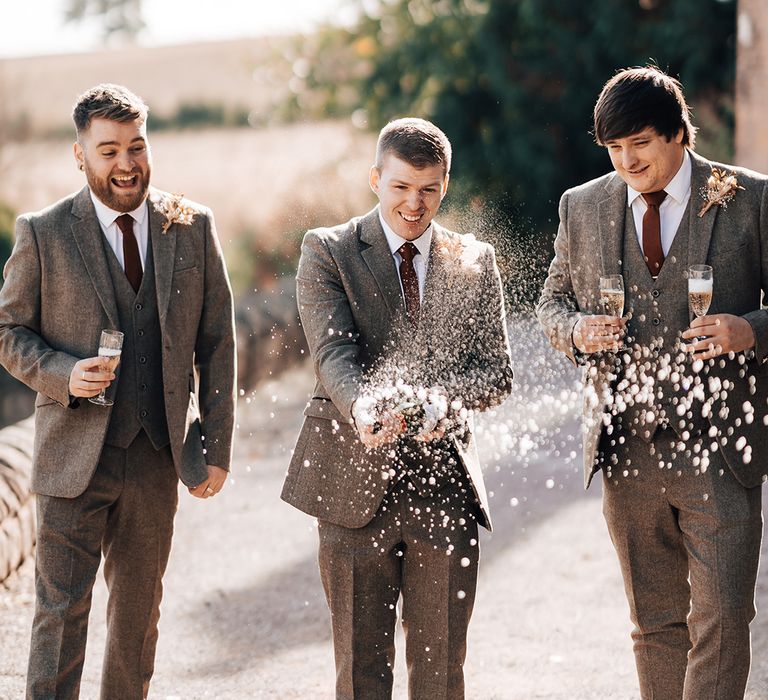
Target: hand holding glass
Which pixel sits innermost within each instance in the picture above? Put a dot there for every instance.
(110, 348)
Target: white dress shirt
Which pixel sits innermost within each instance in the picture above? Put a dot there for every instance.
(108, 222)
(672, 208)
(420, 261)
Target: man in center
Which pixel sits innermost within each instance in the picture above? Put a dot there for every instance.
(406, 327)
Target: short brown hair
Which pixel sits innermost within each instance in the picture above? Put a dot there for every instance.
(108, 101)
(636, 98)
(416, 141)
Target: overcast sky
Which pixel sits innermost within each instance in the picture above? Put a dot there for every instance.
(35, 27)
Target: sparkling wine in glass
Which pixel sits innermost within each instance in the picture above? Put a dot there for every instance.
(699, 289)
(612, 295)
(110, 347)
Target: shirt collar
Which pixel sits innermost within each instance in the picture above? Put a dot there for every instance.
(678, 188)
(422, 243)
(107, 216)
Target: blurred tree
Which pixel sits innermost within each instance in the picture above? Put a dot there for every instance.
(118, 17)
(513, 82)
(7, 221)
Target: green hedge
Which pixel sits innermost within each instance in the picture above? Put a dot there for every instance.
(7, 221)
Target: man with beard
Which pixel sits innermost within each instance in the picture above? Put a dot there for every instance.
(674, 409)
(406, 327)
(116, 255)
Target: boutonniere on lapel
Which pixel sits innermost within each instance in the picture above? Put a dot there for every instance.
(171, 207)
(461, 251)
(720, 189)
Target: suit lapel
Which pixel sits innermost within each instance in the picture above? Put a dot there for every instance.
(610, 223)
(378, 257)
(700, 233)
(90, 242)
(163, 252)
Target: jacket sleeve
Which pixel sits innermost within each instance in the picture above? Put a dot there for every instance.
(758, 319)
(23, 351)
(328, 323)
(215, 357)
(558, 310)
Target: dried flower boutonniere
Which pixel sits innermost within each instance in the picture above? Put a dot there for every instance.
(174, 211)
(720, 189)
(462, 251)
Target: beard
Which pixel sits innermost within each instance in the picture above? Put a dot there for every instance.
(112, 195)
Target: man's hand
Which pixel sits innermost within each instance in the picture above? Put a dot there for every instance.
(718, 334)
(217, 477)
(598, 333)
(376, 429)
(435, 434)
(87, 379)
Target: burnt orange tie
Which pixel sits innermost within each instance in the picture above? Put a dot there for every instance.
(408, 252)
(652, 250)
(131, 259)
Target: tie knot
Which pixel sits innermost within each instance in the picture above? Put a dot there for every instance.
(125, 224)
(654, 199)
(408, 251)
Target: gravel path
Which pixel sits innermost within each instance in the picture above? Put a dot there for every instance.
(244, 615)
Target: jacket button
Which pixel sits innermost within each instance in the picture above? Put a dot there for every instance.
(143, 359)
(143, 414)
(140, 333)
(139, 307)
(655, 293)
(143, 387)
(656, 321)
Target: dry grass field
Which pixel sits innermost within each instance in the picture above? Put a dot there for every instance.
(270, 181)
(264, 184)
(249, 73)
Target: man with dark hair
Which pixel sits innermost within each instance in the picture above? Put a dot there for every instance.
(674, 409)
(406, 326)
(117, 255)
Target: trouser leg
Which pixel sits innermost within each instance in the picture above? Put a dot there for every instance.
(439, 582)
(722, 525)
(654, 565)
(360, 570)
(69, 537)
(137, 545)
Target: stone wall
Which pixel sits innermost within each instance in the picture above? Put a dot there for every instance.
(17, 506)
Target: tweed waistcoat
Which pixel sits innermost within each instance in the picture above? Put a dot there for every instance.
(139, 397)
(655, 378)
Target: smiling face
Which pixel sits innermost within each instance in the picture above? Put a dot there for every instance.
(647, 161)
(409, 196)
(117, 162)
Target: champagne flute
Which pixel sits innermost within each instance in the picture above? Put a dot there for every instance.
(612, 295)
(699, 289)
(110, 348)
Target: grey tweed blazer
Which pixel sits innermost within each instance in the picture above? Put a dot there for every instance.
(58, 296)
(734, 240)
(351, 304)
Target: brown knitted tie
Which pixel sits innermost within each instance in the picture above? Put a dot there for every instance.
(410, 282)
(131, 258)
(654, 255)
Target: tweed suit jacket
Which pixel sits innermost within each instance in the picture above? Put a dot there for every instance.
(351, 308)
(58, 296)
(733, 240)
